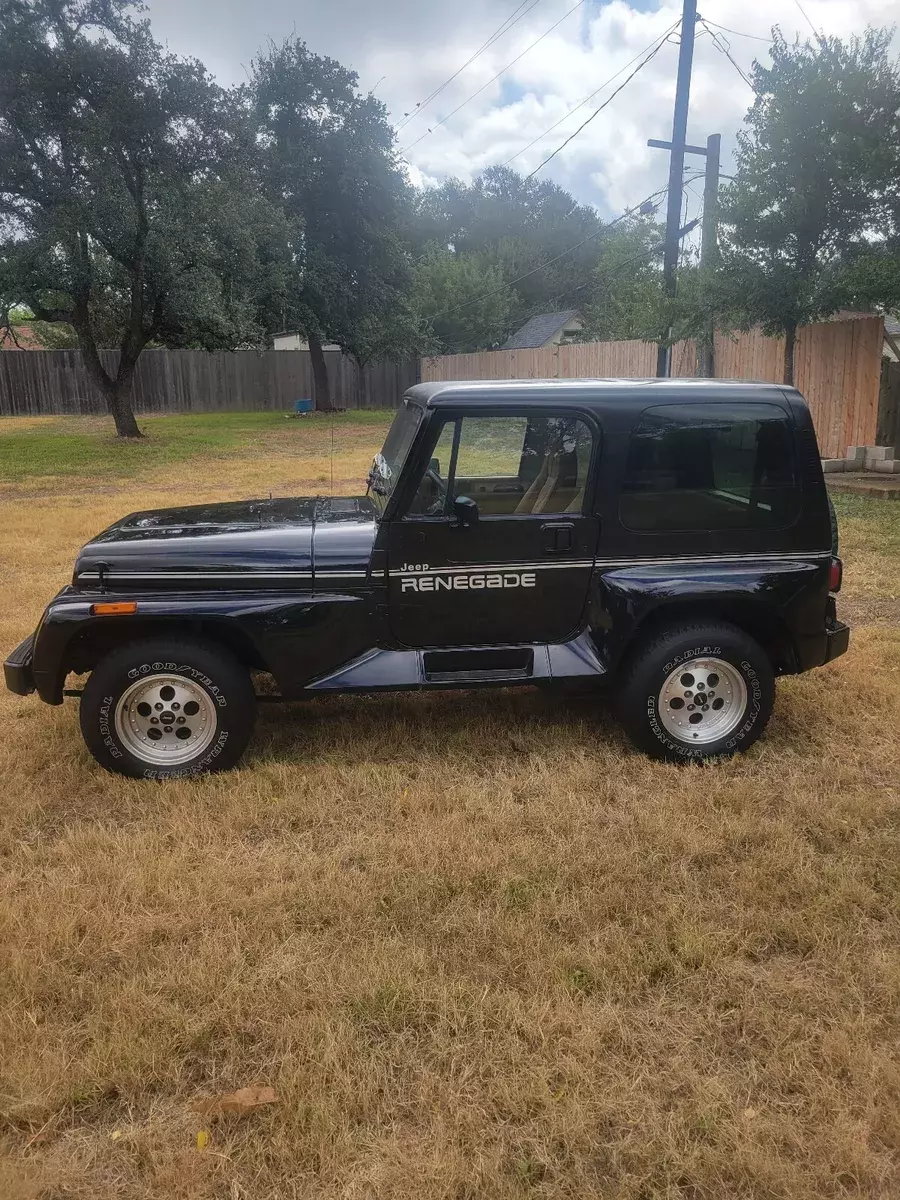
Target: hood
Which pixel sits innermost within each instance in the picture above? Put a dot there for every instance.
(246, 543)
(344, 536)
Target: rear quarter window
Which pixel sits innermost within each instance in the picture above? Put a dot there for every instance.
(705, 467)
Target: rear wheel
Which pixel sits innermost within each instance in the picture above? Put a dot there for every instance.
(705, 691)
(162, 709)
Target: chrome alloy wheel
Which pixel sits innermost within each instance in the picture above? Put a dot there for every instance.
(165, 719)
(703, 701)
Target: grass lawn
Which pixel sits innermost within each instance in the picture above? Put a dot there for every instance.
(479, 947)
(49, 447)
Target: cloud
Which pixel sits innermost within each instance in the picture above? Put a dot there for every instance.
(410, 48)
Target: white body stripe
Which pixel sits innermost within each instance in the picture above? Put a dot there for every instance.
(199, 575)
(672, 560)
(571, 564)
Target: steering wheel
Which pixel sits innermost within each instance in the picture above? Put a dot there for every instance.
(440, 487)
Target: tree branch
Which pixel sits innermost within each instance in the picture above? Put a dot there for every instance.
(52, 315)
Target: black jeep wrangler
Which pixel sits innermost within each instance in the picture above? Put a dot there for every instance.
(671, 537)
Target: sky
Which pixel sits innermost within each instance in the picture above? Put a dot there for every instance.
(405, 49)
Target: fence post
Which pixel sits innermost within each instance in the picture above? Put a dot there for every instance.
(888, 430)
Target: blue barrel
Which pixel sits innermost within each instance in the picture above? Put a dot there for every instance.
(302, 407)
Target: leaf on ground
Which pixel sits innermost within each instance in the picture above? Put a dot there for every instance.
(244, 1100)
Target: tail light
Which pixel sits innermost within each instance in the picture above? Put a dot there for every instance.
(835, 575)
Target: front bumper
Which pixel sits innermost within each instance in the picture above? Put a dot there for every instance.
(17, 668)
(837, 639)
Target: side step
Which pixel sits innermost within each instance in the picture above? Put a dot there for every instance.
(398, 670)
(478, 666)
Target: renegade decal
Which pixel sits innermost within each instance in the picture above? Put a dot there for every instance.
(467, 582)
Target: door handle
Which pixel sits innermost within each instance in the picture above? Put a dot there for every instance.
(559, 536)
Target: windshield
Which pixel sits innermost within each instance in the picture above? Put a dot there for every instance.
(387, 465)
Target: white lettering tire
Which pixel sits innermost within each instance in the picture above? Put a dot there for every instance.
(702, 691)
(168, 709)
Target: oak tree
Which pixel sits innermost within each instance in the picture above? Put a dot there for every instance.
(327, 161)
(815, 189)
(118, 176)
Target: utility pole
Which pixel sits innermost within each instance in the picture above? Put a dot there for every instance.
(676, 161)
(709, 249)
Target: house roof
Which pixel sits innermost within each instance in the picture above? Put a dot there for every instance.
(892, 326)
(25, 339)
(540, 329)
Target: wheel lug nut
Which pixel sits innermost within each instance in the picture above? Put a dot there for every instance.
(179, 720)
(176, 706)
(158, 706)
(154, 720)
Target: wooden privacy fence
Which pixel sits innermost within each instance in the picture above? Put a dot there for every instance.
(837, 366)
(56, 382)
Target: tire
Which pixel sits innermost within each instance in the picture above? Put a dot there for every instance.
(832, 516)
(657, 690)
(125, 709)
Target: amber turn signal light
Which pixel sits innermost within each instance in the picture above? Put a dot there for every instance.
(114, 609)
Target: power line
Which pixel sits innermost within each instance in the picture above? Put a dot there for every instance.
(722, 46)
(594, 93)
(599, 110)
(657, 249)
(503, 71)
(629, 212)
(754, 37)
(687, 184)
(816, 33)
(513, 19)
(570, 250)
(614, 270)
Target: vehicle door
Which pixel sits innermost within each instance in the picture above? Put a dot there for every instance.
(497, 540)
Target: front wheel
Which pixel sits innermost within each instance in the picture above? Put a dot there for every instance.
(162, 709)
(704, 691)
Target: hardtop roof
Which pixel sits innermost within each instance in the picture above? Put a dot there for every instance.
(595, 392)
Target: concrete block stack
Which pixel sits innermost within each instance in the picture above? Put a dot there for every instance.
(881, 459)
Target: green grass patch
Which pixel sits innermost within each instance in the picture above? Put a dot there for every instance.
(877, 520)
(60, 446)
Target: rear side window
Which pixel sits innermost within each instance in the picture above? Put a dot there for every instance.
(708, 467)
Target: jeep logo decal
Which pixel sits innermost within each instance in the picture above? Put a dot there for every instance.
(467, 582)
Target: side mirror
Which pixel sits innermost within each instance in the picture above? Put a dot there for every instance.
(465, 510)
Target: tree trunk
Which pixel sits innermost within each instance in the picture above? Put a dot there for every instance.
(706, 362)
(320, 374)
(118, 401)
(116, 392)
(790, 341)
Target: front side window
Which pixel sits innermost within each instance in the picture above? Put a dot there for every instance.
(509, 465)
(694, 467)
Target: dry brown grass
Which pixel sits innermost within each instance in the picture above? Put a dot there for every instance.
(478, 945)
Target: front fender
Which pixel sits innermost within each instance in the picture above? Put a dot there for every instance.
(295, 636)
